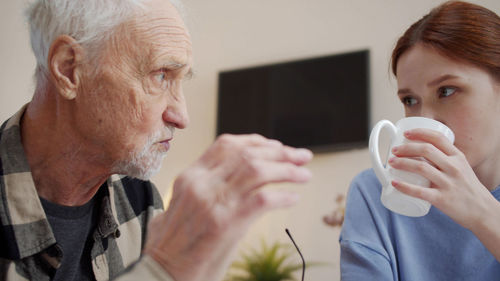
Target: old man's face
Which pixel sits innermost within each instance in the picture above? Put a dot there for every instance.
(134, 101)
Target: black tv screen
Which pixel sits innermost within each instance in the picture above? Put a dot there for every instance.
(319, 103)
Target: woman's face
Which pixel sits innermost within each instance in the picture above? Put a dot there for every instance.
(456, 93)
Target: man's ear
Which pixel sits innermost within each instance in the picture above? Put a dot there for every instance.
(64, 60)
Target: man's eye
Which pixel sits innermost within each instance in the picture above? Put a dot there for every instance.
(446, 91)
(160, 77)
(409, 101)
(162, 80)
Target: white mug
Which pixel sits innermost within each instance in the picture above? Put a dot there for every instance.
(391, 198)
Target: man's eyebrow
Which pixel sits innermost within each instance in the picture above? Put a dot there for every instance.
(173, 65)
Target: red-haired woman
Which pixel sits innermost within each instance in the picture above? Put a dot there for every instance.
(447, 66)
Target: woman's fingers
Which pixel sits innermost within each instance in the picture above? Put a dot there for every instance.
(420, 167)
(425, 151)
(430, 195)
(434, 147)
(433, 137)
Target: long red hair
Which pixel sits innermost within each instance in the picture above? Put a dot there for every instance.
(457, 30)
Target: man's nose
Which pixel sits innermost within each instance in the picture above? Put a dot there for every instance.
(176, 112)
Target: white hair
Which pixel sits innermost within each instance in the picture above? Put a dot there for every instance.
(89, 22)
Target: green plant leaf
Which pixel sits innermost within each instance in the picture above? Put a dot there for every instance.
(269, 263)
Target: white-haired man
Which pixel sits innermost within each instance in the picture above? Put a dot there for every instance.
(108, 98)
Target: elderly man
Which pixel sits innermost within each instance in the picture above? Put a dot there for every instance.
(108, 98)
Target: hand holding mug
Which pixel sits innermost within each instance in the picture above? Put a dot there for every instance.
(391, 198)
(455, 188)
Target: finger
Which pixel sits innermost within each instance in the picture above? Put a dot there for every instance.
(433, 137)
(425, 193)
(420, 167)
(254, 174)
(248, 140)
(425, 150)
(263, 201)
(298, 156)
(252, 156)
(225, 146)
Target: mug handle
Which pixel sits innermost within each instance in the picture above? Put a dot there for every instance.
(380, 170)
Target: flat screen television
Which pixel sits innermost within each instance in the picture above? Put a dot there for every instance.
(319, 103)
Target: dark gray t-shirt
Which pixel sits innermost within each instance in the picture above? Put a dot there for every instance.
(72, 227)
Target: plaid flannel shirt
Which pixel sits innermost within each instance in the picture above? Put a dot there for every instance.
(28, 249)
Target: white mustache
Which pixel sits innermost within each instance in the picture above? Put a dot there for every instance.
(165, 134)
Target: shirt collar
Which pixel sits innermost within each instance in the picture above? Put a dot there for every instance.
(22, 212)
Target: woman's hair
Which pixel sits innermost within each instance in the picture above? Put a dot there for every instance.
(89, 22)
(457, 30)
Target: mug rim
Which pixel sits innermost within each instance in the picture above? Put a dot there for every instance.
(440, 127)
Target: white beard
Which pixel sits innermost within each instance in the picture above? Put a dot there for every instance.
(143, 163)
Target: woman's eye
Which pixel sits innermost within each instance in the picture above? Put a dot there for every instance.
(409, 101)
(446, 91)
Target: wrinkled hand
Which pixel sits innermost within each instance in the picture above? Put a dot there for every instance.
(216, 199)
(455, 188)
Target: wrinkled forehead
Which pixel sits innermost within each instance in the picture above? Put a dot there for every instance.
(160, 33)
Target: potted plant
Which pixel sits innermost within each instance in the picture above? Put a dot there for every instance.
(269, 263)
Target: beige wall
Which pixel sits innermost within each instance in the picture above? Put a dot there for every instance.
(229, 34)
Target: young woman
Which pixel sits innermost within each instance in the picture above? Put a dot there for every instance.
(447, 66)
